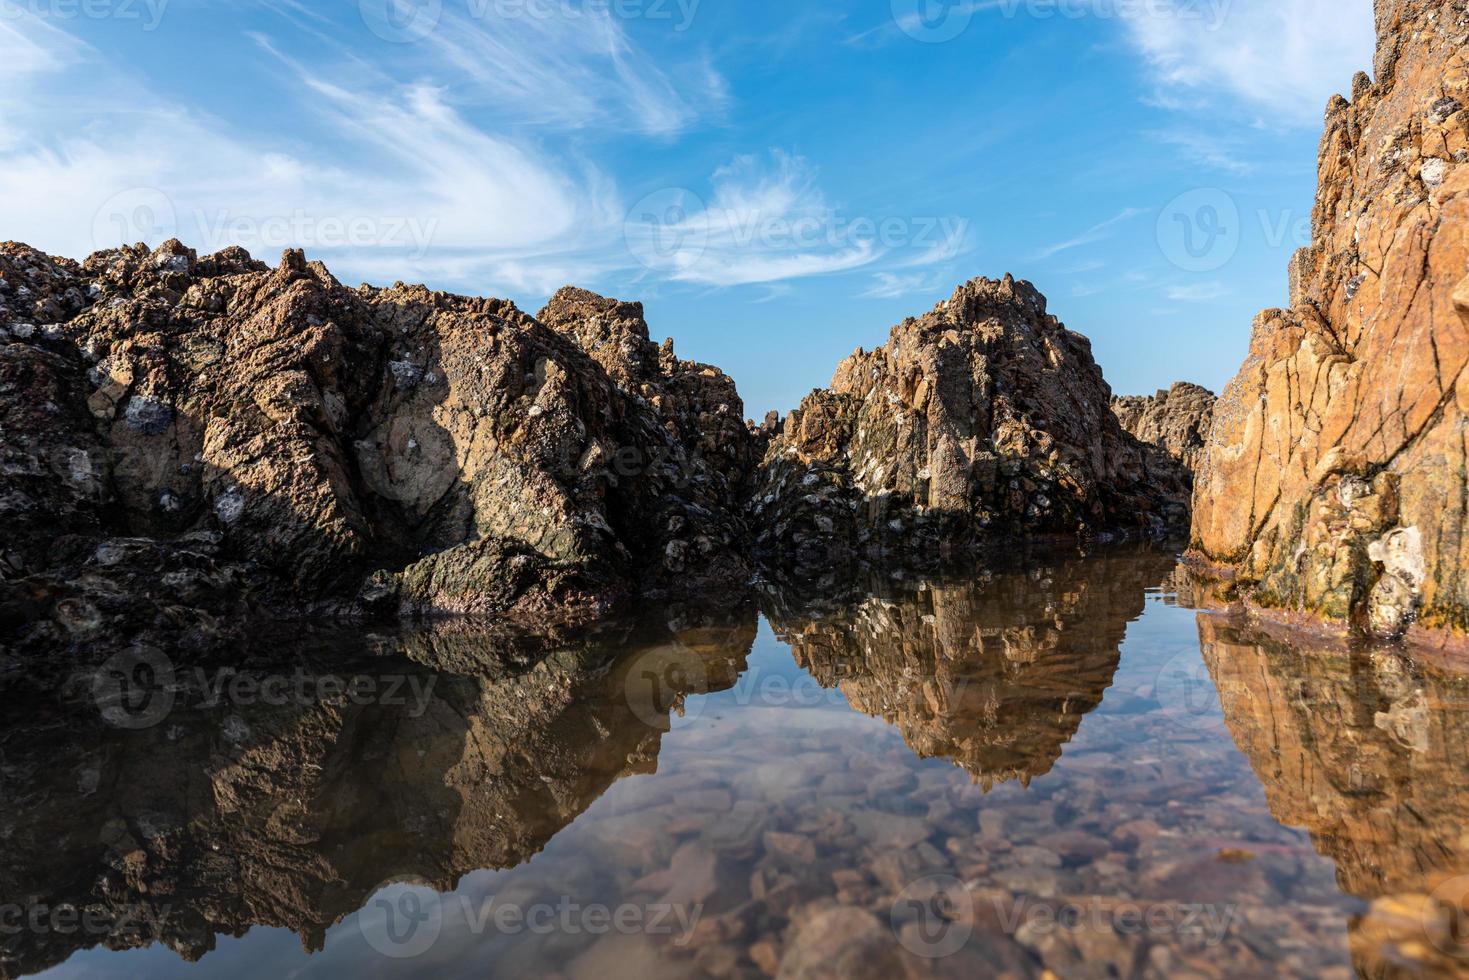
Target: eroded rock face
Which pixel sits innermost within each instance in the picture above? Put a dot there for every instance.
(453, 453)
(984, 419)
(994, 672)
(1178, 420)
(1334, 480)
(288, 805)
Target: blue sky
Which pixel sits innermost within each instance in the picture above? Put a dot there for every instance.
(779, 183)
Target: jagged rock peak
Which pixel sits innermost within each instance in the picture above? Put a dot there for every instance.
(982, 420)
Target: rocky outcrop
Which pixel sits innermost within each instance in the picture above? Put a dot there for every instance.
(349, 449)
(284, 787)
(983, 420)
(1178, 420)
(1334, 481)
(198, 437)
(995, 672)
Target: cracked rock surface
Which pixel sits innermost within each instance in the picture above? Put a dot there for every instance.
(1334, 481)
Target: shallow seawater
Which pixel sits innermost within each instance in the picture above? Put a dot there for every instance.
(1058, 768)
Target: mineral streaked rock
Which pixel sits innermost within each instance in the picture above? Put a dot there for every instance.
(289, 810)
(454, 452)
(1178, 420)
(1334, 481)
(994, 672)
(982, 420)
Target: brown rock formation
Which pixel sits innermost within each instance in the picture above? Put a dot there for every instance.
(982, 420)
(1178, 420)
(996, 672)
(461, 455)
(1334, 481)
(290, 809)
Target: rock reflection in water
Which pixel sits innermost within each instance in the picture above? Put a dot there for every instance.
(219, 817)
(795, 838)
(1364, 749)
(994, 672)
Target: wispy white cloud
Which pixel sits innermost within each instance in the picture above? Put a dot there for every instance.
(766, 219)
(1092, 235)
(1090, 265)
(423, 184)
(1286, 57)
(415, 179)
(1214, 151)
(1197, 293)
(928, 19)
(888, 285)
(573, 71)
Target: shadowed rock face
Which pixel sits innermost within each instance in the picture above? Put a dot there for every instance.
(290, 810)
(1365, 750)
(1177, 420)
(984, 419)
(995, 673)
(454, 453)
(1334, 480)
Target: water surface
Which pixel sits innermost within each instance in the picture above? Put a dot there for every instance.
(1057, 767)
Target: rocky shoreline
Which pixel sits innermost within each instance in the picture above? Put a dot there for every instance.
(193, 441)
